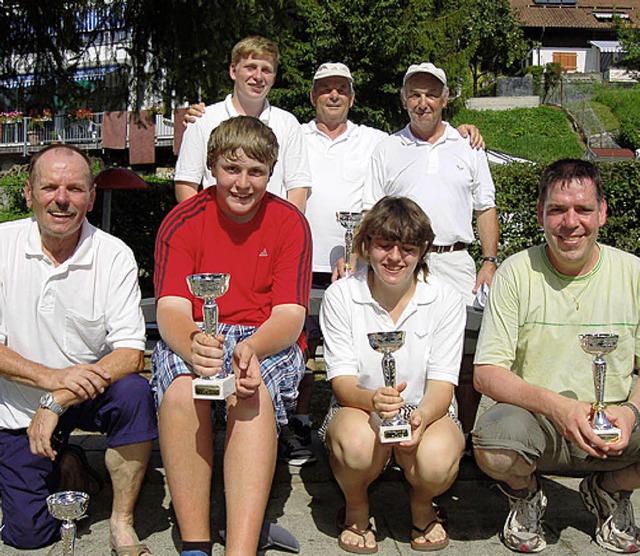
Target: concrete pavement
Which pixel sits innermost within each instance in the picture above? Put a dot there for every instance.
(306, 501)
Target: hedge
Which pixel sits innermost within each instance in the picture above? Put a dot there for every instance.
(136, 215)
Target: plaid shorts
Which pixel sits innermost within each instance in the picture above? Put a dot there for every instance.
(281, 372)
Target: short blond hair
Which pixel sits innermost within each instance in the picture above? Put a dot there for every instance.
(258, 47)
(256, 140)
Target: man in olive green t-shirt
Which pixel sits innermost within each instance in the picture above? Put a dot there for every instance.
(529, 360)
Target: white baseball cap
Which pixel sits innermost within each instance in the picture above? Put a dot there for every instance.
(425, 67)
(333, 69)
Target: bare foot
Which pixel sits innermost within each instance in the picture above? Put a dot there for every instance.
(122, 533)
(360, 533)
(433, 533)
(354, 537)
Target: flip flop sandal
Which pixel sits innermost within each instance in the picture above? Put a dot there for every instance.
(88, 480)
(429, 546)
(351, 548)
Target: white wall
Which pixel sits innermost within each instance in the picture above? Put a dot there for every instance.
(543, 56)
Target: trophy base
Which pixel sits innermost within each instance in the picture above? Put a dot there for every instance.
(394, 433)
(610, 436)
(214, 388)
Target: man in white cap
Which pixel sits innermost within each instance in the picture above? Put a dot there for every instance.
(339, 154)
(431, 163)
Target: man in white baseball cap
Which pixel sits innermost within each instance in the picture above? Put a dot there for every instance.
(434, 165)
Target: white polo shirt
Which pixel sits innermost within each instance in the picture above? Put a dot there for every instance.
(77, 312)
(338, 169)
(433, 321)
(448, 179)
(291, 169)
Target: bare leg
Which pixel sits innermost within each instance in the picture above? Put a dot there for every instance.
(249, 465)
(186, 442)
(126, 465)
(431, 469)
(357, 458)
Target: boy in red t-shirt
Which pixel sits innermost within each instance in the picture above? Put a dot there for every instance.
(264, 243)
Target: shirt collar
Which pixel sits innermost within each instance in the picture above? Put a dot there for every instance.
(265, 115)
(352, 130)
(83, 254)
(408, 138)
(426, 292)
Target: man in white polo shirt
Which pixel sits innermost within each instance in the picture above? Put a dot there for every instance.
(72, 340)
(431, 163)
(254, 63)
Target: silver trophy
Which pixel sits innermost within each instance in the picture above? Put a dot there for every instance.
(599, 345)
(395, 429)
(350, 221)
(209, 287)
(67, 506)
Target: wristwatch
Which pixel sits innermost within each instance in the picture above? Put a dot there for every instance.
(494, 260)
(636, 412)
(47, 402)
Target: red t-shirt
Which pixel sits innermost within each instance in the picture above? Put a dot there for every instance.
(268, 258)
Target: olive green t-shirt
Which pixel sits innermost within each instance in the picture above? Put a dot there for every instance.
(535, 315)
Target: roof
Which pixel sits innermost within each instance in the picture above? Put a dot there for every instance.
(581, 15)
(608, 153)
(607, 46)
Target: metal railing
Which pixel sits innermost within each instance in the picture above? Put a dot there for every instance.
(573, 95)
(27, 133)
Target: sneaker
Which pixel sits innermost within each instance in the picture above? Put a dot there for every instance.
(616, 527)
(293, 452)
(301, 431)
(522, 530)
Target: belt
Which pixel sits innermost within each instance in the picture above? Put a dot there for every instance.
(457, 246)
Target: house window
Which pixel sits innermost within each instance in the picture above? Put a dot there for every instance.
(567, 60)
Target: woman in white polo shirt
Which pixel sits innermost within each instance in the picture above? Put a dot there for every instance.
(394, 293)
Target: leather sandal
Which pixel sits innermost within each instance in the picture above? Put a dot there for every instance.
(429, 546)
(360, 533)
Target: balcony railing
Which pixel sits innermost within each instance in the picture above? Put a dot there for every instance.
(29, 134)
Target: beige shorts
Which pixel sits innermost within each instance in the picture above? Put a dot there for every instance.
(533, 436)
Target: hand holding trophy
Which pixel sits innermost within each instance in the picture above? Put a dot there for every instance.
(395, 429)
(599, 345)
(209, 287)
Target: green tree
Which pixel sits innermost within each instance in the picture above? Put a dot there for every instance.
(492, 38)
(630, 39)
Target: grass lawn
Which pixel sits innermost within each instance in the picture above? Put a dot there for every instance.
(540, 134)
(606, 116)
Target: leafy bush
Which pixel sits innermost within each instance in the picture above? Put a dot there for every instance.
(517, 196)
(540, 134)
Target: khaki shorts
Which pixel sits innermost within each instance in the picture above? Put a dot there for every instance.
(533, 436)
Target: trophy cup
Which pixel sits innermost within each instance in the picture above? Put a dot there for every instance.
(395, 429)
(208, 287)
(349, 220)
(67, 506)
(599, 345)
